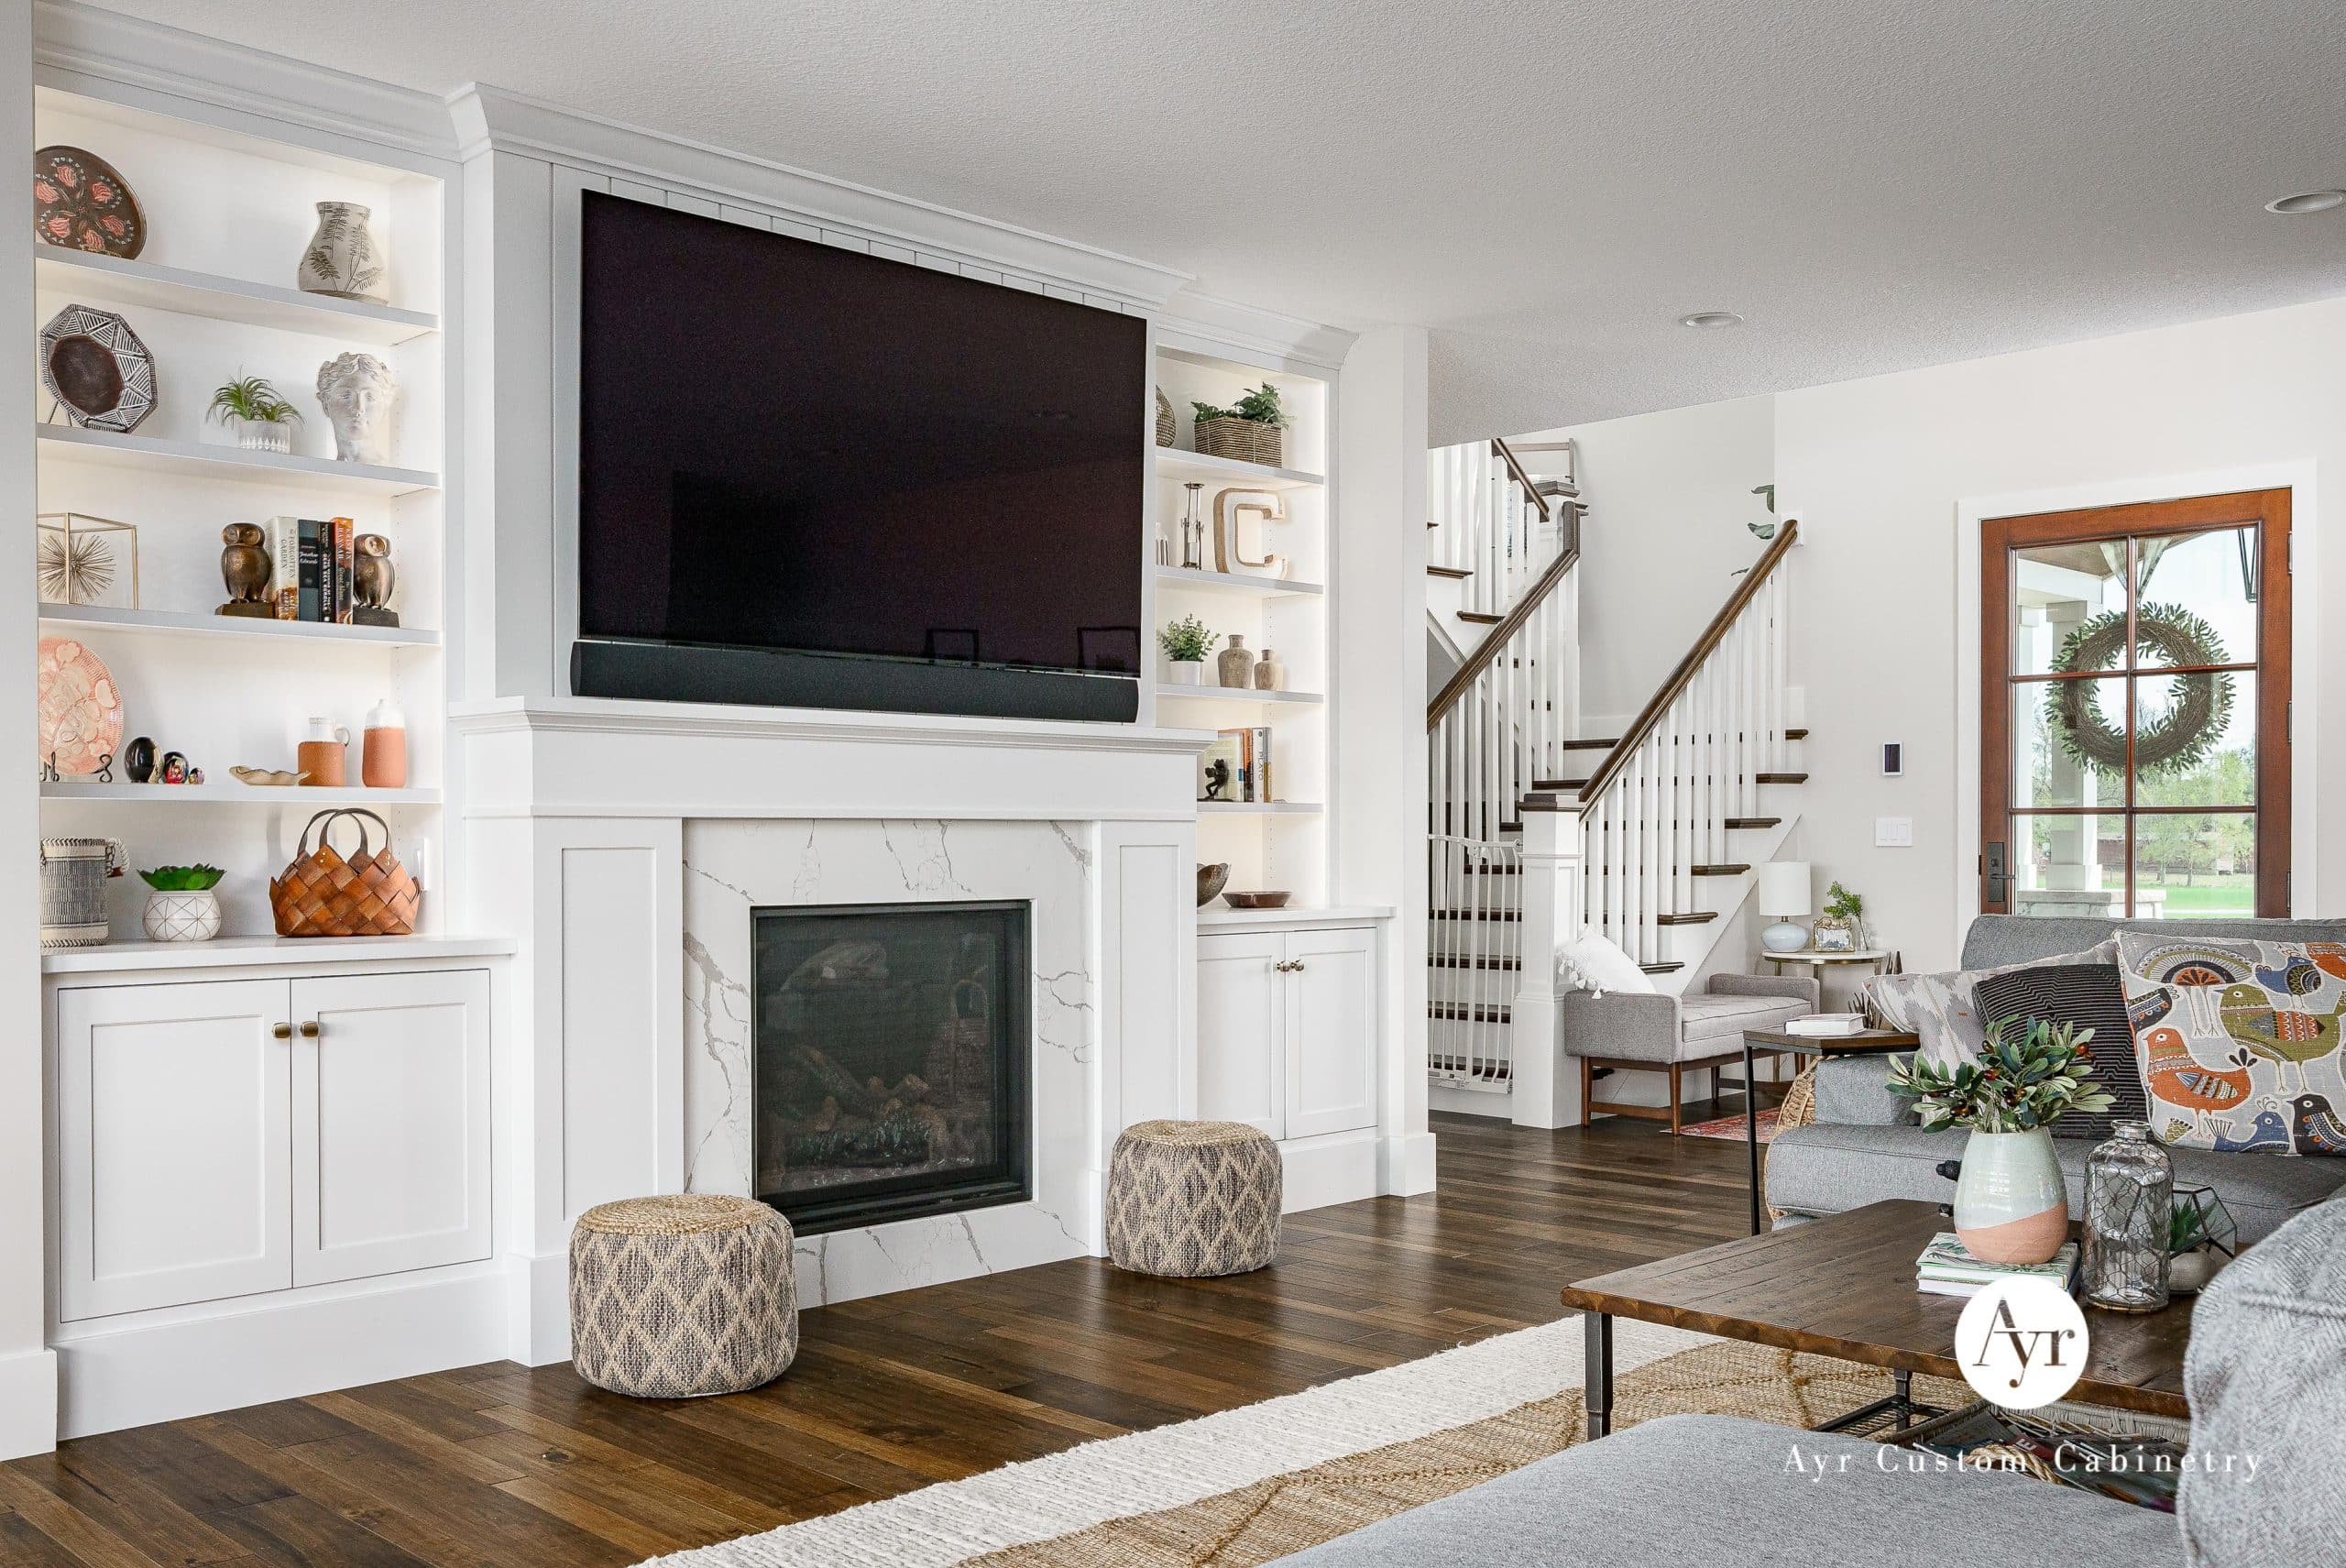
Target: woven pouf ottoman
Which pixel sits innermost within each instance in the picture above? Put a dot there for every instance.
(672, 1297)
(1187, 1198)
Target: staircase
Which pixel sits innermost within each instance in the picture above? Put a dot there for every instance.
(1536, 833)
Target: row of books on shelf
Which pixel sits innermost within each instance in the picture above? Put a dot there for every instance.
(1945, 1268)
(315, 568)
(1236, 768)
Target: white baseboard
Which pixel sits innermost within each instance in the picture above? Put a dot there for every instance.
(538, 1308)
(1335, 1167)
(1470, 1101)
(1405, 1165)
(27, 1403)
(190, 1366)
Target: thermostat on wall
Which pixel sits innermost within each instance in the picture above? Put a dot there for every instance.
(1893, 759)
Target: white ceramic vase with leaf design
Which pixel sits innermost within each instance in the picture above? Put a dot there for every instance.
(341, 258)
(2011, 1204)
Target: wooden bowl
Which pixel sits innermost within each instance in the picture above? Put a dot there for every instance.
(1258, 900)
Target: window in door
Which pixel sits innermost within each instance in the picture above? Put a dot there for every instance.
(2134, 703)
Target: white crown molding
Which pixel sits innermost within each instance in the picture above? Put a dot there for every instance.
(490, 118)
(108, 46)
(1214, 323)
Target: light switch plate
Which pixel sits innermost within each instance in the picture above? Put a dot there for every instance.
(1893, 832)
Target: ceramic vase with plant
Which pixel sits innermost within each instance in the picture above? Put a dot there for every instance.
(183, 906)
(1842, 926)
(1185, 644)
(2011, 1204)
(259, 419)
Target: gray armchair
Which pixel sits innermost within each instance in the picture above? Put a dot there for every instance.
(1652, 1032)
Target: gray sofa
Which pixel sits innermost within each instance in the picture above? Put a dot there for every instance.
(1865, 1146)
(2268, 1348)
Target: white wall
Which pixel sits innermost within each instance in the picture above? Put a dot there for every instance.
(1379, 601)
(28, 1369)
(1673, 486)
(1889, 477)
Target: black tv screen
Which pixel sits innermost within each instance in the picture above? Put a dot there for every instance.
(788, 446)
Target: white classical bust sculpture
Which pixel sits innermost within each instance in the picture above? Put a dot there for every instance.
(357, 391)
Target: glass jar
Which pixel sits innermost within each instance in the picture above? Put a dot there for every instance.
(2129, 1205)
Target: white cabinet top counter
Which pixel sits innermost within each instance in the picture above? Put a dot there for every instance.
(1220, 916)
(255, 952)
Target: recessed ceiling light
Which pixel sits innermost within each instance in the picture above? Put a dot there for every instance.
(1711, 318)
(2308, 201)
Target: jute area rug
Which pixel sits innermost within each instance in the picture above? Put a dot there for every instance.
(1250, 1485)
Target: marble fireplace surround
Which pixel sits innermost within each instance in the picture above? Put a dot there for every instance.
(733, 867)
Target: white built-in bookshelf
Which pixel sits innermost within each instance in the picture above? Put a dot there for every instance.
(1281, 843)
(229, 208)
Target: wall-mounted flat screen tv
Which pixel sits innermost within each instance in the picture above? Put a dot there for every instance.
(809, 476)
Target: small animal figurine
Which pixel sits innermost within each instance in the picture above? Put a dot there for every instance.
(245, 568)
(374, 579)
(2314, 1127)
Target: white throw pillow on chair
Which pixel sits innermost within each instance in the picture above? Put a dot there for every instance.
(1596, 964)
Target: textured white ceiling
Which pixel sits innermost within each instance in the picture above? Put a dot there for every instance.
(1548, 186)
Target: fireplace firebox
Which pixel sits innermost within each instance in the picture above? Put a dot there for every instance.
(890, 1066)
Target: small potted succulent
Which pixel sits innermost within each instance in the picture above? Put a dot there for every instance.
(1842, 929)
(183, 906)
(1186, 643)
(255, 413)
(2201, 1239)
(2011, 1205)
(1252, 430)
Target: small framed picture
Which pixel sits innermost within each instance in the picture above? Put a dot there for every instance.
(1834, 936)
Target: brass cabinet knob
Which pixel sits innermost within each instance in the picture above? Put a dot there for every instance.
(281, 1031)
(309, 1028)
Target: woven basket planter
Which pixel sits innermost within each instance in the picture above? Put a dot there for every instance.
(1191, 1198)
(1164, 419)
(1247, 439)
(683, 1296)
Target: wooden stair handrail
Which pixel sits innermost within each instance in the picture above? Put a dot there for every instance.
(1500, 449)
(1496, 643)
(1680, 679)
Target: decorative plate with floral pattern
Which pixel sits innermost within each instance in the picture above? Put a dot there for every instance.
(79, 203)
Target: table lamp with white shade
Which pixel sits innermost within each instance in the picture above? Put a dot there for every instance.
(1784, 893)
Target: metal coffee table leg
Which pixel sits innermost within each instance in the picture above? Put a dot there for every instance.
(1751, 1128)
(1598, 1355)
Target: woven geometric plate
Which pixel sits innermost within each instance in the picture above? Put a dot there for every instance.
(95, 366)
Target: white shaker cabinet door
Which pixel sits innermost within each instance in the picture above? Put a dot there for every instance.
(174, 1154)
(1241, 1000)
(391, 1124)
(1330, 1031)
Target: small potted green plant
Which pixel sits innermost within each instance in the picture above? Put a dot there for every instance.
(1186, 643)
(183, 906)
(1842, 929)
(1252, 430)
(260, 419)
(2011, 1205)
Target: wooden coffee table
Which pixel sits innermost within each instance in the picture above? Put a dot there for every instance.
(1844, 1287)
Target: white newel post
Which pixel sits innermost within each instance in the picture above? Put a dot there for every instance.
(1546, 1093)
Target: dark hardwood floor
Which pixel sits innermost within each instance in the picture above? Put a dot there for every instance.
(503, 1466)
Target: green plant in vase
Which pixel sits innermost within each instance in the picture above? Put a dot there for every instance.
(1184, 642)
(253, 407)
(2011, 1205)
(1842, 926)
(183, 906)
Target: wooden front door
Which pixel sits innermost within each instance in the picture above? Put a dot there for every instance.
(2134, 710)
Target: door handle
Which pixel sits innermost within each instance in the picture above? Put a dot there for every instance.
(310, 1030)
(1998, 873)
(1296, 967)
(281, 1031)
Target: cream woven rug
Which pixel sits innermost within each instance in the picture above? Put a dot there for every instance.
(1248, 1486)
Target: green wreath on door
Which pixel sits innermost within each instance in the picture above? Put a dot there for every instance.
(2182, 738)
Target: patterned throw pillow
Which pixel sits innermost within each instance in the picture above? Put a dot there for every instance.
(1938, 1009)
(2238, 1042)
(2087, 996)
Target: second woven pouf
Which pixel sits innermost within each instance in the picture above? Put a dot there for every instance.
(1189, 1199)
(677, 1297)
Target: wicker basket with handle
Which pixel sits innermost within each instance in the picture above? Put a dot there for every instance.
(323, 894)
(1247, 439)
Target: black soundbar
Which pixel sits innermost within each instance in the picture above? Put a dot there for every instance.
(773, 678)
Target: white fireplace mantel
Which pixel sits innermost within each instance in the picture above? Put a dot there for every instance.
(624, 845)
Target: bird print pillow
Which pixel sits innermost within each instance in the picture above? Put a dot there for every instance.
(2238, 1042)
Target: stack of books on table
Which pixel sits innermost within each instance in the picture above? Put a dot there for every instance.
(1946, 1269)
(1827, 1025)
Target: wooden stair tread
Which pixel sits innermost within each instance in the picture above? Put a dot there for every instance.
(1660, 968)
(1796, 734)
(1464, 960)
(1721, 870)
(1687, 917)
(1780, 778)
(1753, 821)
(1590, 745)
(1458, 1013)
(1478, 617)
(1456, 574)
